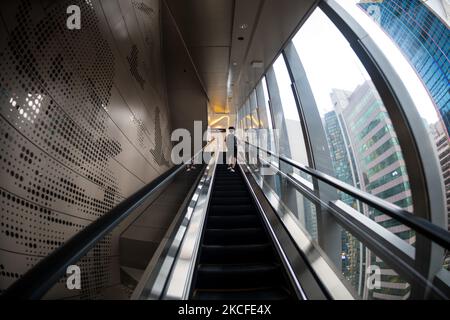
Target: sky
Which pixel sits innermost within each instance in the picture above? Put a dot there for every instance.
(330, 62)
(438, 7)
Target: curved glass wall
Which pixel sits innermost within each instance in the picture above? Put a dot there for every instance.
(359, 144)
(362, 142)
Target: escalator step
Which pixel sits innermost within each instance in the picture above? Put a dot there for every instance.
(237, 261)
(225, 176)
(225, 210)
(225, 222)
(230, 193)
(227, 182)
(228, 188)
(237, 276)
(234, 236)
(228, 179)
(227, 172)
(231, 201)
(258, 294)
(236, 254)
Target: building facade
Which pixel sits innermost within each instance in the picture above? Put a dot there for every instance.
(422, 36)
(443, 150)
(361, 118)
(340, 151)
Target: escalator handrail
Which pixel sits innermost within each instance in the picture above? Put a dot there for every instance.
(425, 227)
(41, 277)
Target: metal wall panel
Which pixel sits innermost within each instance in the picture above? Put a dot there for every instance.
(84, 123)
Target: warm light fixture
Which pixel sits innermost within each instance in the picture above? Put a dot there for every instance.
(216, 121)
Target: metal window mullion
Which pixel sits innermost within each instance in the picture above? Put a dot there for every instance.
(330, 231)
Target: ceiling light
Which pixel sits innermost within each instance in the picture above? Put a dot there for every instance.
(243, 26)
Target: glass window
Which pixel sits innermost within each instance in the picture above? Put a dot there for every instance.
(266, 133)
(247, 117)
(414, 36)
(253, 119)
(254, 110)
(358, 128)
(363, 144)
(240, 122)
(262, 95)
(287, 120)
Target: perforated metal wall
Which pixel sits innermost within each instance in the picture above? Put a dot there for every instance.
(83, 124)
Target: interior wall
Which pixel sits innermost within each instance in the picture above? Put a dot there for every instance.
(84, 123)
(186, 97)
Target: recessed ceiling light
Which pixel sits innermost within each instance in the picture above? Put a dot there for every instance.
(243, 26)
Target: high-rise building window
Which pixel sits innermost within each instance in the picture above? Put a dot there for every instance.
(421, 34)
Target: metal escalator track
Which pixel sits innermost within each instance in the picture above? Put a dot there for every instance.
(236, 259)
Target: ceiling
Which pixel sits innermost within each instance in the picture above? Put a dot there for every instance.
(224, 37)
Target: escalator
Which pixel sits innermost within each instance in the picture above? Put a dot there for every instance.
(236, 259)
(228, 237)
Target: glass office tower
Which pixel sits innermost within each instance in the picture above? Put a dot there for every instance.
(343, 165)
(423, 38)
(443, 148)
(360, 132)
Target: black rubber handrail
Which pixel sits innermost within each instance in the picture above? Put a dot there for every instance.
(424, 227)
(41, 277)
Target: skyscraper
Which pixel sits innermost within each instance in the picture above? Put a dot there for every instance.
(422, 36)
(373, 161)
(443, 150)
(340, 151)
